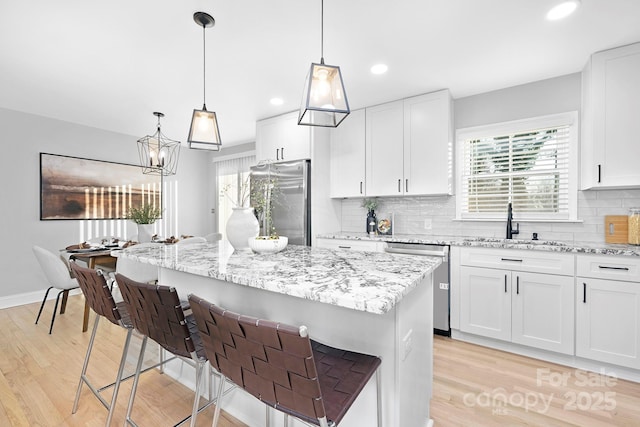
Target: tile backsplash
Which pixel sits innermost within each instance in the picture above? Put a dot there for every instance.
(435, 216)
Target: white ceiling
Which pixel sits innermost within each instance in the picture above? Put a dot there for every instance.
(110, 64)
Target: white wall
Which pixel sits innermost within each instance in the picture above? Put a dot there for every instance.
(24, 137)
(435, 215)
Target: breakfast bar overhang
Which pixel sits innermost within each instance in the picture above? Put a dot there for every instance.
(370, 302)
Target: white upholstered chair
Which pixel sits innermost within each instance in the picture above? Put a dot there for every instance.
(57, 274)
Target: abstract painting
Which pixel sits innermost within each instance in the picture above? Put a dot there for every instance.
(77, 188)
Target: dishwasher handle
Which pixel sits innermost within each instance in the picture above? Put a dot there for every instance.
(415, 252)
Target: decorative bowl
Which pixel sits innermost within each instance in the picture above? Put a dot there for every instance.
(267, 245)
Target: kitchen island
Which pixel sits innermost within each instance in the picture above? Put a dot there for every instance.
(369, 302)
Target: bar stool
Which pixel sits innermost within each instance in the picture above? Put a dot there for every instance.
(156, 312)
(282, 367)
(98, 295)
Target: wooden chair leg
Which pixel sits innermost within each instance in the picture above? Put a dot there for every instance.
(65, 297)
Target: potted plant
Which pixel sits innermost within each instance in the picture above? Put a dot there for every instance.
(264, 194)
(370, 205)
(144, 216)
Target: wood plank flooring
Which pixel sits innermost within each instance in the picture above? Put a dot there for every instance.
(473, 385)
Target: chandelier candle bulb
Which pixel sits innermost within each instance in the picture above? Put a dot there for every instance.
(634, 226)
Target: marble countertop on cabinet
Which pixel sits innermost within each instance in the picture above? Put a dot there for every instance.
(368, 281)
(490, 242)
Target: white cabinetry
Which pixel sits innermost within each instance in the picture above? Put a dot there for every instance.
(610, 125)
(349, 244)
(519, 296)
(280, 139)
(608, 309)
(348, 157)
(408, 146)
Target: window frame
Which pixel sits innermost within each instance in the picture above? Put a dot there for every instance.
(514, 127)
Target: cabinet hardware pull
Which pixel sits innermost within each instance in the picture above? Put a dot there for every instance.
(406, 186)
(399, 183)
(599, 173)
(584, 293)
(517, 285)
(505, 283)
(277, 154)
(344, 247)
(282, 153)
(360, 187)
(604, 267)
(511, 259)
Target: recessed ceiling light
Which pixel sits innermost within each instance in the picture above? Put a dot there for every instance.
(379, 69)
(276, 101)
(562, 10)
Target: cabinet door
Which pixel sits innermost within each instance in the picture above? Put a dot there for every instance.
(384, 150)
(614, 102)
(348, 157)
(485, 302)
(543, 311)
(282, 139)
(428, 134)
(608, 321)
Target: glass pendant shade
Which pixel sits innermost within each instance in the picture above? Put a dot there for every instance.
(158, 154)
(204, 133)
(324, 100)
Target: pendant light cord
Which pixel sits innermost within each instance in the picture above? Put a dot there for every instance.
(322, 31)
(204, 69)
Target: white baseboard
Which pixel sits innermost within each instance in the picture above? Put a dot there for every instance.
(30, 297)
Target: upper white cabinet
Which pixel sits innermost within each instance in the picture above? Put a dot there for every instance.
(428, 144)
(610, 125)
(384, 150)
(348, 157)
(280, 139)
(408, 146)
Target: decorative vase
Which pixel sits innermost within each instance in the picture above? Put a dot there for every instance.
(145, 232)
(242, 225)
(371, 222)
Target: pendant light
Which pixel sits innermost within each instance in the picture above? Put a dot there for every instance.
(158, 154)
(324, 101)
(204, 133)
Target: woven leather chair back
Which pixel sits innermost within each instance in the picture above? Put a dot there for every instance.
(96, 290)
(269, 360)
(156, 312)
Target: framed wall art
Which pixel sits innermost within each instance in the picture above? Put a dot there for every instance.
(77, 188)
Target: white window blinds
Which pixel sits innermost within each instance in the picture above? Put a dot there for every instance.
(528, 163)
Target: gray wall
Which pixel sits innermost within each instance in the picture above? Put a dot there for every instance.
(24, 137)
(435, 215)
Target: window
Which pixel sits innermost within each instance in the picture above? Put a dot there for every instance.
(531, 163)
(231, 176)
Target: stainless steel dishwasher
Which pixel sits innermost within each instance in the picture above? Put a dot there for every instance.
(440, 280)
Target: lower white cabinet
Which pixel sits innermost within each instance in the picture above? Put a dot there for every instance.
(522, 307)
(608, 310)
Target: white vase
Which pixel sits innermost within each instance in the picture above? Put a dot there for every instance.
(145, 232)
(241, 225)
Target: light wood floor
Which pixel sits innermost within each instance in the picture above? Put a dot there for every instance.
(39, 375)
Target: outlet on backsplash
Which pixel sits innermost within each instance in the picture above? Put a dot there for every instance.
(427, 224)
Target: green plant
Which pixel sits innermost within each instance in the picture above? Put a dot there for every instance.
(243, 190)
(370, 204)
(264, 194)
(145, 214)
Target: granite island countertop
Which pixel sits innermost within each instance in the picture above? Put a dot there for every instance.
(492, 242)
(367, 281)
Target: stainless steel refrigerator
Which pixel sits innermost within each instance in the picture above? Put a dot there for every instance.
(284, 186)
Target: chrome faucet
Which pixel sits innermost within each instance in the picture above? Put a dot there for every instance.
(510, 230)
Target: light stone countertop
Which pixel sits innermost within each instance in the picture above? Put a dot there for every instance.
(367, 281)
(490, 242)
